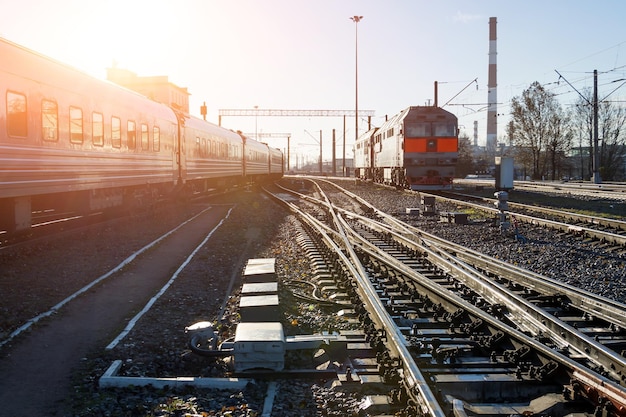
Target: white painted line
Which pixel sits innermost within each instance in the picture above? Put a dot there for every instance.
(147, 307)
(110, 379)
(93, 283)
(268, 405)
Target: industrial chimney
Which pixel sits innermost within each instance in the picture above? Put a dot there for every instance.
(492, 94)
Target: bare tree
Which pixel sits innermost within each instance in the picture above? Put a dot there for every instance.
(539, 130)
(558, 144)
(582, 118)
(465, 160)
(611, 132)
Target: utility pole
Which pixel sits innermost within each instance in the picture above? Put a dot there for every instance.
(596, 150)
(334, 170)
(321, 163)
(356, 20)
(343, 169)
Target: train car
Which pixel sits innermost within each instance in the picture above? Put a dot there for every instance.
(71, 142)
(415, 149)
(363, 157)
(277, 164)
(256, 161)
(212, 156)
(76, 140)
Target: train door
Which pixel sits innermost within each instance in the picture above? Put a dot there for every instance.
(179, 157)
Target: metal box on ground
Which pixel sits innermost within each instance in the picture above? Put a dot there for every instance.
(454, 217)
(258, 308)
(259, 346)
(505, 173)
(259, 288)
(260, 270)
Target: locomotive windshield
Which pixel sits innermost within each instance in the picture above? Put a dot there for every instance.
(420, 130)
(444, 129)
(414, 130)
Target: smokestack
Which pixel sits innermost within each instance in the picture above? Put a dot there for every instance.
(475, 132)
(492, 93)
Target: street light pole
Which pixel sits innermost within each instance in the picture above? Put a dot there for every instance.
(321, 163)
(356, 20)
(256, 118)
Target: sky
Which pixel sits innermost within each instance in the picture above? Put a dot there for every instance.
(302, 55)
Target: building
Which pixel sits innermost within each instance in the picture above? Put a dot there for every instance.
(157, 88)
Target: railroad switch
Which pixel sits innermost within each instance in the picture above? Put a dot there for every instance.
(503, 205)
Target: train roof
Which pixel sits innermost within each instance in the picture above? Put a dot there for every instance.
(364, 136)
(208, 127)
(430, 113)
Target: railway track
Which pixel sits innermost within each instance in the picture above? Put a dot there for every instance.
(466, 335)
(603, 230)
(611, 191)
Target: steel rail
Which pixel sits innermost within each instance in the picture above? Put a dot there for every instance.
(602, 307)
(568, 215)
(537, 321)
(527, 313)
(523, 312)
(607, 386)
(416, 383)
(600, 235)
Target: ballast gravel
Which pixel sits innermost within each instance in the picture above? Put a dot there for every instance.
(259, 228)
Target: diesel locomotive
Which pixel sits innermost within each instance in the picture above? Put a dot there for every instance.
(415, 149)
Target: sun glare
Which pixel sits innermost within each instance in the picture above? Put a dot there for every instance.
(132, 34)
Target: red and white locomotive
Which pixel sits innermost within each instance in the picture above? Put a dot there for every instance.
(72, 141)
(415, 149)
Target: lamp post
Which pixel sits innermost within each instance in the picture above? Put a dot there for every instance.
(356, 20)
(256, 119)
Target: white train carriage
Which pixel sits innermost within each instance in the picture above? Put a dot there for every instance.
(276, 163)
(388, 151)
(213, 156)
(71, 137)
(256, 160)
(363, 167)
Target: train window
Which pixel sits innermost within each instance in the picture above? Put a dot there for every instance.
(131, 135)
(116, 132)
(97, 128)
(416, 130)
(145, 144)
(49, 120)
(76, 125)
(156, 139)
(16, 115)
(444, 129)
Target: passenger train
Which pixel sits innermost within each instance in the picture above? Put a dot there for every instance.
(72, 141)
(415, 149)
